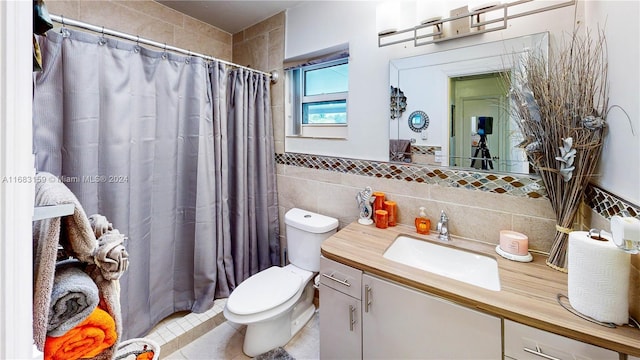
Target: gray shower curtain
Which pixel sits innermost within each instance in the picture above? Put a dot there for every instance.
(251, 176)
(148, 139)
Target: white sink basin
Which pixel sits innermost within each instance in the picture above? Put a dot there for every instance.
(465, 266)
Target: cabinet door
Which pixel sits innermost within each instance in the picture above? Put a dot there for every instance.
(525, 342)
(402, 323)
(340, 325)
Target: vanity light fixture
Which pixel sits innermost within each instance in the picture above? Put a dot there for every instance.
(387, 17)
(460, 22)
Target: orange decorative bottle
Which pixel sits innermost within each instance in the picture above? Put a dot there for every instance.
(423, 225)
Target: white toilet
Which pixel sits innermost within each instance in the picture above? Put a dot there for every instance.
(277, 302)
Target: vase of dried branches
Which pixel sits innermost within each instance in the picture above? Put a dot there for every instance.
(561, 103)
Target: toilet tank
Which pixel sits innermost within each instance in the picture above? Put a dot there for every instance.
(305, 233)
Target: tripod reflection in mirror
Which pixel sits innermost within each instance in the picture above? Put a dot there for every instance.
(481, 126)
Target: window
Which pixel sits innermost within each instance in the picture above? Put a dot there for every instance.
(320, 99)
(325, 112)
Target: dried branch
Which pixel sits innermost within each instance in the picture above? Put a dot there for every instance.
(556, 99)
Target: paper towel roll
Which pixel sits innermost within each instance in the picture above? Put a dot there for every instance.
(598, 278)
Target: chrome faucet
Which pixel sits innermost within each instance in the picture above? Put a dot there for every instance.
(443, 227)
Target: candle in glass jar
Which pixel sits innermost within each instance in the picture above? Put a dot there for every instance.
(391, 208)
(514, 242)
(378, 202)
(382, 219)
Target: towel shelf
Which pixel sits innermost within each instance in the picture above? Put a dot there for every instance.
(50, 211)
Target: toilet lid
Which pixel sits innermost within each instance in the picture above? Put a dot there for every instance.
(263, 291)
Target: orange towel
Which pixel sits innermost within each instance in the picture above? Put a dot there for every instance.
(86, 340)
(145, 356)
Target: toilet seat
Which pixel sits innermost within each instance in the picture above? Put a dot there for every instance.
(286, 284)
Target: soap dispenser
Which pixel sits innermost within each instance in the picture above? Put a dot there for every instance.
(423, 225)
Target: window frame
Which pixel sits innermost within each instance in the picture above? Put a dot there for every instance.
(327, 130)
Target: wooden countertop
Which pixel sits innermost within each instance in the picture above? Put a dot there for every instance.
(528, 290)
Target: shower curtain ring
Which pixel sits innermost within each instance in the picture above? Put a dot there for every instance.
(165, 55)
(63, 29)
(136, 48)
(103, 31)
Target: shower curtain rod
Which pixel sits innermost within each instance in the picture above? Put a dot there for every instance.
(101, 29)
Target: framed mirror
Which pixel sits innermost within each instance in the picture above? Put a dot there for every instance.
(467, 86)
(418, 121)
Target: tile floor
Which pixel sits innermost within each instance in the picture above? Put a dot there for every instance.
(209, 336)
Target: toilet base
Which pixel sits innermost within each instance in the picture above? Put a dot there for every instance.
(263, 336)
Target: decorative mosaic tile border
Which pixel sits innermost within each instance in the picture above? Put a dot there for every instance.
(425, 150)
(515, 185)
(607, 204)
(602, 201)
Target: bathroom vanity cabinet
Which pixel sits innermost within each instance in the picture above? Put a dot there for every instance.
(388, 320)
(341, 336)
(402, 323)
(525, 342)
(363, 316)
(373, 307)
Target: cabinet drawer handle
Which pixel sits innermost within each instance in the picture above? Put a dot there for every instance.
(343, 282)
(352, 320)
(539, 352)
(367, 298)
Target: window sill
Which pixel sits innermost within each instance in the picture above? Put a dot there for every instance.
(324, 132)
(315, 137)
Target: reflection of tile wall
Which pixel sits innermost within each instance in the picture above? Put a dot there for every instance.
(425, 150)
(516, 185)
(425, 155)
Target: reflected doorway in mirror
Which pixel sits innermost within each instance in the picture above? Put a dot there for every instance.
(426, 81)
